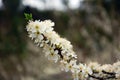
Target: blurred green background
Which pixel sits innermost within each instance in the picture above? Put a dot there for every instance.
(92, 26)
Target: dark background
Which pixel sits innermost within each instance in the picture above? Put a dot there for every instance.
(93, 28)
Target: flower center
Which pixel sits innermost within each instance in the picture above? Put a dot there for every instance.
(52, 54)
(37, 32)
(37, 27)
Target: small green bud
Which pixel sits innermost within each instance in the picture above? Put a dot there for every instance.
(28, 16)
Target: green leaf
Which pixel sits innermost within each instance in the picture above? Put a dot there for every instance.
(28, 16)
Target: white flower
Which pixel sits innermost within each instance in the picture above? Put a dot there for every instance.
(81, 66)
(116, 66)
(52, 55)
(40, 26)
(71, 54)
(39, 39)
(75, 68)
(66, 45)
(34, 26)
(117, 74)
(75, 76)
(107, 67)
(53, 37)
(86, 70)
(63, 64)
(94, 66)
(31, 35)
(117, 69)
(69, 66)
(49, 23)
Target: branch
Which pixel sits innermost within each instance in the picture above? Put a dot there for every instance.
(60, 49)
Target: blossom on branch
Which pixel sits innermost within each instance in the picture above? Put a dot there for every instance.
(60, 50)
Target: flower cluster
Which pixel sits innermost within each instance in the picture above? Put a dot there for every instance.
(60, 49)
